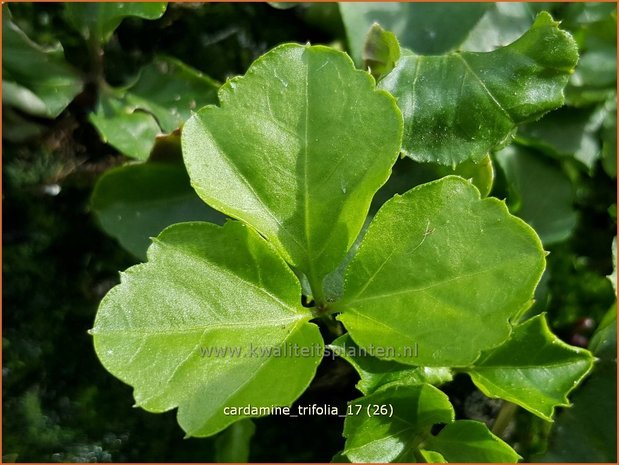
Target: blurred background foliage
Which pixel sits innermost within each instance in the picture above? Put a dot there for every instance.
(93, 99)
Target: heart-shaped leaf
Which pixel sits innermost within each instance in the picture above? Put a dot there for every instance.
(297, 149)
(533, 368)
(460, 106)
(205, 324)
(443, 271)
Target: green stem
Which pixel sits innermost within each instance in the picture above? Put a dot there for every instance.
(504, 418)
(317, 293)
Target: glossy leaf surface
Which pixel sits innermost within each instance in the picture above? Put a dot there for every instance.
(207, 287)
(588, 430)
(460, 106)
(441, 269)
(533, 369)
(297, 149)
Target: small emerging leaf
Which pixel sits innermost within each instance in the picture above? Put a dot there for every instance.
(442, 270)
(424, 27)
(533, 369)
(381, 51)
(460, 106)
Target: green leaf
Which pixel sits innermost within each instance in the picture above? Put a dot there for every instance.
(604, 341)
(131, 132)
(533, 369)
(566, 132)
(442, 270)
(170, 90)
(24, 85)
(588, 430)
(502, 23)
(609, 140)
(136, 202)
(480, 174)
(163, 97)
(329, 140)
(376, 373)
(539, 193)
(429, 456)
(381, 51)
(97, 21)
(595, 77)
(471, 441)
(394, 425)
(426, 28)
(383, 438)
(208, 287)
(232, 446)
(460, 106)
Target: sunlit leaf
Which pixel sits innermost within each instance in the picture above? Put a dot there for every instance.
(297, 149)
(207, 287)
(441, 270)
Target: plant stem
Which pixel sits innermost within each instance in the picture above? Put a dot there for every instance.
(504, 418)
